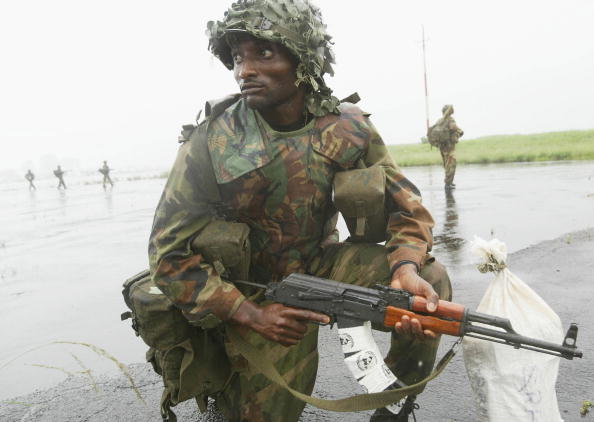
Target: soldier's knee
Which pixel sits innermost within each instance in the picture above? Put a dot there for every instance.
(437, 275)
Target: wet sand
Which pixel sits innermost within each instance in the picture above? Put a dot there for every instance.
(560, 270)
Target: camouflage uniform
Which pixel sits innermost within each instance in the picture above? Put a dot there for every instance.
(104, 170)
(30, 177)
(280, 185)
(447, 147)
(59, 173)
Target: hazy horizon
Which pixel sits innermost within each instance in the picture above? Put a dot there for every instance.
(86, 82)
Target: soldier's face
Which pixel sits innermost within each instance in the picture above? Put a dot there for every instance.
(265, 72)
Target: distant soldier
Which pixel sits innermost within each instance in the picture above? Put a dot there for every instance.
(30, 177)
(445, 134)
(105, 172)
(59, 173)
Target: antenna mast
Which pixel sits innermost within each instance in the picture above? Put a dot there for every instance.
(425, 77)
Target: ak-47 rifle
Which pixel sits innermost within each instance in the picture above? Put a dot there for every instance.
(351, 305)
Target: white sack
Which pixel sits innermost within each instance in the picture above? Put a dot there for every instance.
(513, 384)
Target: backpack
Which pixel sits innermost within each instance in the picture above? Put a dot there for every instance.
(438, 134)
(192, 361)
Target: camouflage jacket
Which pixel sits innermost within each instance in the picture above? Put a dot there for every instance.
(280, 185)
(454, 131)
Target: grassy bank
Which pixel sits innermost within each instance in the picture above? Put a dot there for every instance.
(552, 146)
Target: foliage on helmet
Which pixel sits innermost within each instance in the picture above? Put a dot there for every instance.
(296, 24)
(447, 109)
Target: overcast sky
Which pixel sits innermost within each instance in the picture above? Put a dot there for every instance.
(85, 81)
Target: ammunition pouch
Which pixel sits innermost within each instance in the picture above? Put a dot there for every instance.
(359, 195)
(226, 246)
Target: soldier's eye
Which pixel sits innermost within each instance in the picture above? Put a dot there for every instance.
(237, 59)
(266, 53)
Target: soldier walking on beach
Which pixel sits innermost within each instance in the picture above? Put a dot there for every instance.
(30, 177)
(445, 134)
(104, 170)
(59, 173)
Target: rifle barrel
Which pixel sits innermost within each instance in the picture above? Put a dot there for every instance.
(519, 341)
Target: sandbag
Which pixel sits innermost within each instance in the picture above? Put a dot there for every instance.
(512, 384)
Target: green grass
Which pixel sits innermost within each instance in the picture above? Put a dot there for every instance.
(552, 146)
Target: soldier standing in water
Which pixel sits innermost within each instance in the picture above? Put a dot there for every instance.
(445, 134)
(104, 170)
(30, 177)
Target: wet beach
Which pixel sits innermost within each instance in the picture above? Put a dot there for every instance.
(64, 255)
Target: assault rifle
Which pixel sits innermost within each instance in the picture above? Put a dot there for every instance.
(351, 305)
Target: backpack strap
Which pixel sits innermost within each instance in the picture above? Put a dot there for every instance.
(198, 135)
(214, 108)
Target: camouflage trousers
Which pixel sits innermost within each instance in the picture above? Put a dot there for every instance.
(448, 156)
(249, 396)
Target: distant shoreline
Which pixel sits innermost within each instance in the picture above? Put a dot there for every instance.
(551, 146)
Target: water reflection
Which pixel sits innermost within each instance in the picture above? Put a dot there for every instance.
(108, 201)
(62, 203)
(448, 240)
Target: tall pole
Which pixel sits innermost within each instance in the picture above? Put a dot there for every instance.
(425, 77)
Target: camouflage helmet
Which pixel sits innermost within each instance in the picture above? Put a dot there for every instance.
(297, 25)
(447, 109)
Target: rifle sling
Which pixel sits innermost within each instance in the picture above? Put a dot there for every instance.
(355, 403)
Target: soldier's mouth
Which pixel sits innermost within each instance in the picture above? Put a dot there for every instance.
(251, 88)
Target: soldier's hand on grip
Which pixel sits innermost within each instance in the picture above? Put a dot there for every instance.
(276, 322)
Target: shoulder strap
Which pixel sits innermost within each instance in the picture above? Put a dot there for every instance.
(209, 186)
(350, 404)
(198, 136)
(214, 108)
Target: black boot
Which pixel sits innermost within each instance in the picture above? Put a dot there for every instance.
(408, 408)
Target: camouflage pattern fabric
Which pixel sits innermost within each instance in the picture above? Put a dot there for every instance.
(448, 157)
(447, 147)
(250, 397)
(280, 185)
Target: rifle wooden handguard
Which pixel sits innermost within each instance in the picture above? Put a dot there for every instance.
(439, 326)
(444, 309)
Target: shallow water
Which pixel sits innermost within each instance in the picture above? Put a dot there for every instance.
(64, 255)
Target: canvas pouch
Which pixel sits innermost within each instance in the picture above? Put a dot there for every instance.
(192, 361)
(226, 246)
(359, 195)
